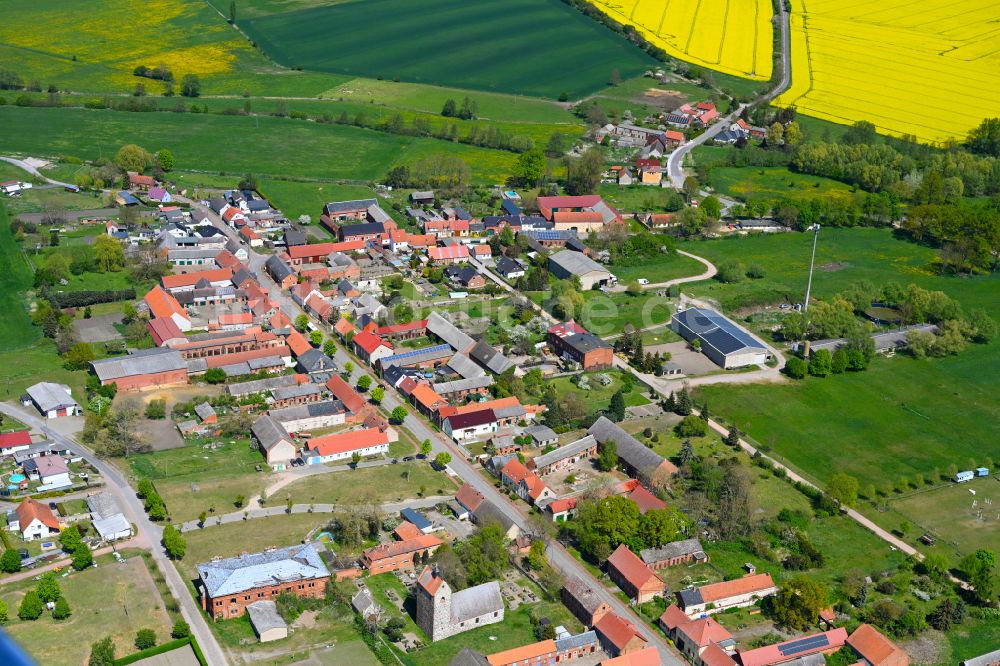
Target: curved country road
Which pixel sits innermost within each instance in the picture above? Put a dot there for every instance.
(710, 271)
(675, 162)
(33, 171)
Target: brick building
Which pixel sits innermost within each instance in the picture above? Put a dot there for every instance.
(147, 368)
(399, 554)
(228, 586)
(584, 602)
(633, 576)
(572, 341)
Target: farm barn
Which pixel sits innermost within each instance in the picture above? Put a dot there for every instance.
(725, 343)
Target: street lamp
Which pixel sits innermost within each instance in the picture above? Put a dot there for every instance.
(812, 262)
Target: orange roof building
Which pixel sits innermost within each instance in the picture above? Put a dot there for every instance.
(341, 446)
(736, 593)
(407, 530)
(162, 304)
(398, 554)
(875, 648)
(648, 656)
(634, 576)
(187, 281)
(542, 652)
(618, 636)
(35, 520)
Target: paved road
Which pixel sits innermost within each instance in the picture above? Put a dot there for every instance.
(33, 171)
(151, 533)
(708, 274)
(134, 542)
(675, 162)
(561, 560)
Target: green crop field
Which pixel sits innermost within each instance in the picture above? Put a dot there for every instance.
(236, 145)
(534, 47)
(16, 330)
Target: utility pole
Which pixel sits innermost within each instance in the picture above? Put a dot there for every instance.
(812, 262)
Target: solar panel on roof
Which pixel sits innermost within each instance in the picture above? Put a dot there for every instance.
(804, 645)
(418, 352)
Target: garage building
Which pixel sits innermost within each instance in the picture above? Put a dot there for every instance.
(567, 263)
(722, 341)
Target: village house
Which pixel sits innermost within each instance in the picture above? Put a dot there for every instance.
(632, 575)
(584, 601)
(343, 446)
(875, 649)
(648, 656)
(582, 214)
(448, 254)
(53, 400)
(274, 442)
(574, 342)
(674, 553)
(618, 636)
(565, 456)
(312, 416)
(228, 586)
(701, 640)
(33, 520)
(736, 593)
(558, 651)
(12, 442)
(399, 554)
(638, 460)
(825, 643)
(469, 425)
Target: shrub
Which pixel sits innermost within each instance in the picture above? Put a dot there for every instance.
(796, 368)
(145, 639)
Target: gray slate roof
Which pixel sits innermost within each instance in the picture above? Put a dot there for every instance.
(584, 594)
(632, 451)
(469, 657)
(563, 452)
(541, 433)
(269, 433)
(260, 385)
(114, 524)
(476, 601)
(465, 366)
(277, 269)
(103, 504)
(364, 603)
(578, 641)
(444, 388)
(672, 550)
(296, 391)
(246, 572)
(576, 263)
(448, 332)
(204, 411)
(488, 512)
(146, 361)
(335, 207)
(49, 396)
(264, 616)
(311, 410)
(491, 358)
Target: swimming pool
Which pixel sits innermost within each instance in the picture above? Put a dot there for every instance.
(16, 478)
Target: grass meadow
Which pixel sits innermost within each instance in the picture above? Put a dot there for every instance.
(900, 417)
(772, 184)
(535, 47)
(235, 144)
(111, 600)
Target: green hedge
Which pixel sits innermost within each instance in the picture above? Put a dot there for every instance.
(164, 647)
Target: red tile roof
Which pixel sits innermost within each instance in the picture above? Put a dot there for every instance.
(524, 654)
(189, 279)
(407, 530)
(560, 505)
(704, 631)
(448, 252)
(673, 617)
(249, 233)
(567, 216)
(646, 500)
(582, 201)
(427, 397)
(17, 438)
(240, 357)
(29, 510)
(469, 497)
(731, 588)
(617, 630)
(343, 327)
(298, 343)
(515, 471)
(347, 441)
(713, 655)
(429, 579)
(420, 324)
(876, 648)
(369, 342)
(163, 329)
(346, 394)
(163, 304)
(648, 656)
(772, 654)
(385, 550)
(632, 569)
(674, 135)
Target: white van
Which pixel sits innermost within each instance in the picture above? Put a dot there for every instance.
(643, 281)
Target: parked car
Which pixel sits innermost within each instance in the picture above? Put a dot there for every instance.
(408, 459)
(52, 506)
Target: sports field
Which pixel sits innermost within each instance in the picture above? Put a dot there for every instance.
(534, 47)
(734, 36)
(890, 63)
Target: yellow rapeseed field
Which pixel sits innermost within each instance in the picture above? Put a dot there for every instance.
(731, 36)
(922, 67)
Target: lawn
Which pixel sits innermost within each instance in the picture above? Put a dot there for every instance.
(267, 146)
(608, 314)
(637, 198)
(16, 329)
(220, 474)
(113, 599)
(388, 483)
(598, 397)
(569, 53)
(660, 268)
(843, 256)
(773, 184)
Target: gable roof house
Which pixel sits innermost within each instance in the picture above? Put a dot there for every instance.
(370, 347)
(737, 593)
(567, 263)
(875, 649)
(618, 636)
(632, 575)
(796, 650)
(274, 441)
(53, 400)
(33, 519)
(163, 305)
(640, 462)
(584, 601)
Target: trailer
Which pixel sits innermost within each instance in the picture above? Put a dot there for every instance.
(962, 477)
(982, 471)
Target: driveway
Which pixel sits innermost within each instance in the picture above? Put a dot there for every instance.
(98, 329)
(691, 362)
